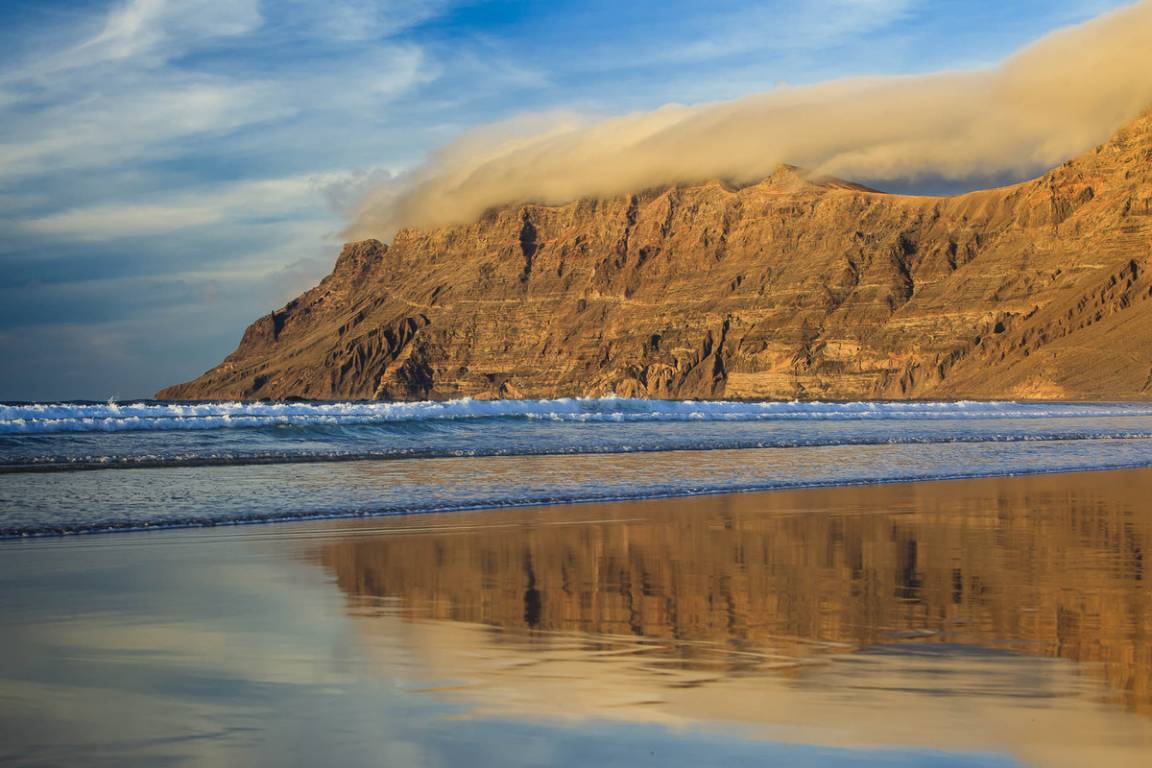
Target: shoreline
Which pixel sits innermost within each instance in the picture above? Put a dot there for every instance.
(991, 616)
(416, 513)
(415, 455)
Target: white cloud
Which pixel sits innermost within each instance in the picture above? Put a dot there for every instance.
(137, 118)
(113, 98)
(169, 26)
(354, 20)
(235, 203)
(106, 222)
(140, 32)
(812, 24)
(123, 97)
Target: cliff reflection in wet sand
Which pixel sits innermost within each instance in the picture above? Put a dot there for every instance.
(785, 589)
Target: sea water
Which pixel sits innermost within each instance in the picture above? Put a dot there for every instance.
(195, 464)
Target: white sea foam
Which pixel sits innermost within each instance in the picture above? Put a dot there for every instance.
(142, 416)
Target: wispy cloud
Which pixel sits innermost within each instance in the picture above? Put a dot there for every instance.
(736, 30)
(236, 203)
(138, 118)
(165, 28)
(143, 32)
(359, 20)
(135, 92)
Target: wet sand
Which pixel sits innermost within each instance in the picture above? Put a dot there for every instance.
(978, 622)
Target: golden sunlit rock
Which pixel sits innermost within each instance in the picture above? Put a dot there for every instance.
(796, 287)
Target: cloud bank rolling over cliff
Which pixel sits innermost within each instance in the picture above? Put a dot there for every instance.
(1048, 102)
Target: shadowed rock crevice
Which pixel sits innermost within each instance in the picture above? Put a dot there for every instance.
(528, 246)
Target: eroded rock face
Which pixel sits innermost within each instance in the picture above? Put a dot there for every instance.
(793, 288)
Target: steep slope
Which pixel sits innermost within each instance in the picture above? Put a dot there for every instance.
(795, 287)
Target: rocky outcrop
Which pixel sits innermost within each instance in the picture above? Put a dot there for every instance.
(796, 287)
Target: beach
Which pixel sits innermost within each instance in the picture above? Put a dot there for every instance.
(994, 621)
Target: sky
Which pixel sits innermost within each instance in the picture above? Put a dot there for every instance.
(170, 170)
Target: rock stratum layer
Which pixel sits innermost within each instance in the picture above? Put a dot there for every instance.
(796, 287)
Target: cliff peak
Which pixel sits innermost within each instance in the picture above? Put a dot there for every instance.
(360, 255)
(789, 179)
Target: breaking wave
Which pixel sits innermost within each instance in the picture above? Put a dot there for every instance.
(220, 463)
(81, 436)
(43, 418)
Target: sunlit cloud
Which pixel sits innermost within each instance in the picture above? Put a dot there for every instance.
(1043, 105)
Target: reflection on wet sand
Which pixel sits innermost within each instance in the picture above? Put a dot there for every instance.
(912, 613)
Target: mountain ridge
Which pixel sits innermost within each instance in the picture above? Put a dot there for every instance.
(799, 286)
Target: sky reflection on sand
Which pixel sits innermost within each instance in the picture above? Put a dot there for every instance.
(992, 622)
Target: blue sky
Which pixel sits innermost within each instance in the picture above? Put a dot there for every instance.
(172, 169)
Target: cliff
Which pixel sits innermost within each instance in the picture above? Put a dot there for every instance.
(796, 287)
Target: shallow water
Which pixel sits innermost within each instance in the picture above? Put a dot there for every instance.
(170, 465)
(993, 622)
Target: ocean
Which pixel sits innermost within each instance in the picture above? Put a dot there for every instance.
(594, 582)
(84, 467)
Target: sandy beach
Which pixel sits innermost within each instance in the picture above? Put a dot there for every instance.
(998, 621)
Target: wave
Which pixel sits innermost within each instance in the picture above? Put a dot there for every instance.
(48, 418)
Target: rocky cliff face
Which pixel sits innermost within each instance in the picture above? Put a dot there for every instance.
(796, 287)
